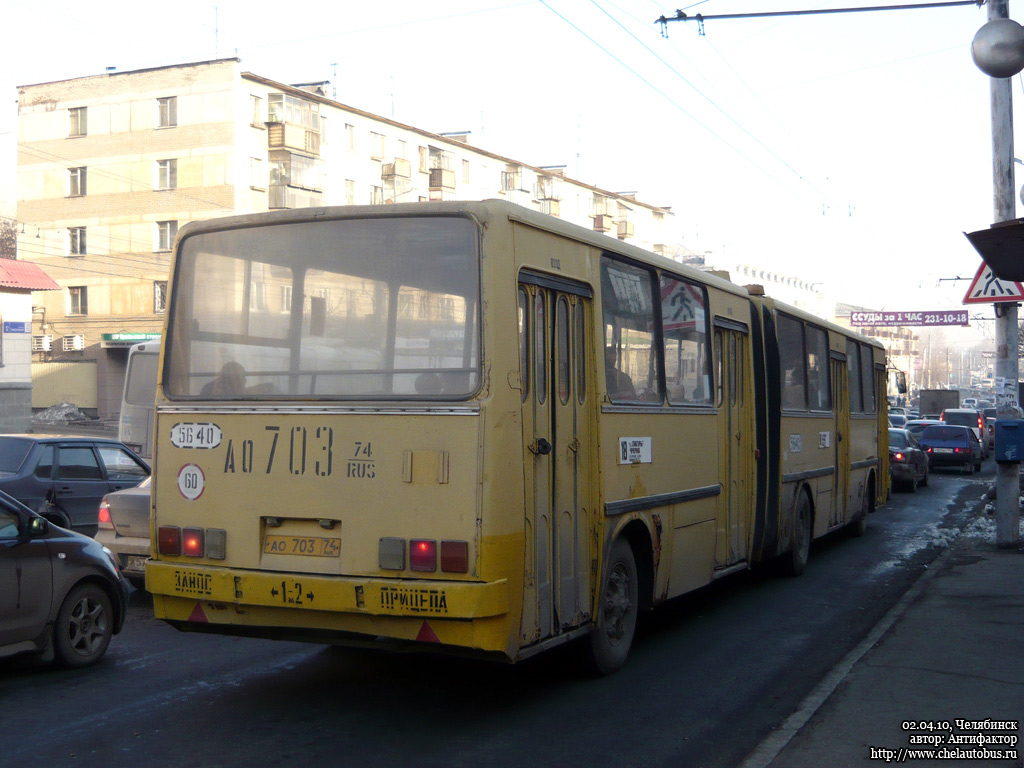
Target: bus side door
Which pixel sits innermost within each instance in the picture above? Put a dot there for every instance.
(840, 513)
(557, 436)
(736, 442)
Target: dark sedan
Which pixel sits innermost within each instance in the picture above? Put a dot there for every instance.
(952, 445)
(63, 478)
(62, 591)
(908, 464)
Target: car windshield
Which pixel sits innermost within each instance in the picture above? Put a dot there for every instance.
(964, 419)
(13, 451)
(897, 438)
(944, 433)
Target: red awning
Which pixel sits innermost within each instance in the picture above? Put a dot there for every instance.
(25, 275)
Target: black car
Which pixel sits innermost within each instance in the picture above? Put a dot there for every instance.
(908, 464)
(952, 445)
(64, 478)
(59, 591)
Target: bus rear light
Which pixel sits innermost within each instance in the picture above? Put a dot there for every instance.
(169, 540)
(391, 553)
(423, 555)
(455, 556)
(192, 542)
(105, 521)
(216, 543)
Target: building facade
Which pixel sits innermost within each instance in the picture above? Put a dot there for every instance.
(110, 166)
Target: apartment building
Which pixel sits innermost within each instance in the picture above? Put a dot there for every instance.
(110, 166)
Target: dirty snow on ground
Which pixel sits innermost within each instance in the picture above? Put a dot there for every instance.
(61, 413)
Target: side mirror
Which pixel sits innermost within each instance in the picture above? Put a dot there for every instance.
(38, 526)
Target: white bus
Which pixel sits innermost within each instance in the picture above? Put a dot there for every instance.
(138, 400)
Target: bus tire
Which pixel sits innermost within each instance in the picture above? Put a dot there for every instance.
(615, 623)
(795, 561)
(859, 526)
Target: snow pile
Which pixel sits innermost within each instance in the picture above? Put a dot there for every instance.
(62, 413)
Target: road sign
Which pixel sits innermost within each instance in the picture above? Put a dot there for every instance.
(987, 288)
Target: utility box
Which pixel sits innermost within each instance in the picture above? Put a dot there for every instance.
(1010, 440)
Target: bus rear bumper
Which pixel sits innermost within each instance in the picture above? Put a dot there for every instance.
(317, 608)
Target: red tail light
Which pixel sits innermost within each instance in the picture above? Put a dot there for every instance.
(898, 457)
(169, 540)
(455, 556)
(423, 555)
(105, 521)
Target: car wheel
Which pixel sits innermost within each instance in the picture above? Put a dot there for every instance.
(616, 612)
(912, 484)
(970, 467)
(56, 515)
(977, 467)
(84, 626)
(924, 479)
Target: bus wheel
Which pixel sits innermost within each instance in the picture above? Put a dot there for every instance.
(860, 525)
(800, 540)
(616, 611)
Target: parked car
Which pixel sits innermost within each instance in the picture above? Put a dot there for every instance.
(968, 417)
(951, 445)
(908, 464)
(897, 420)
(124, 529)
(63, 478)
(989, 415)
(61, 590)
(916, 426)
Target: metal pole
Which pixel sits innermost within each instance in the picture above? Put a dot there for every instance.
(1006, 367)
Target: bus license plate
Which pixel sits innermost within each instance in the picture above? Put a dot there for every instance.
(303, 546)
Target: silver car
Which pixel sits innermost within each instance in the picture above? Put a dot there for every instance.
(124, 529)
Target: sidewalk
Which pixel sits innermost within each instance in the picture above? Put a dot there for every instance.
(951, 650)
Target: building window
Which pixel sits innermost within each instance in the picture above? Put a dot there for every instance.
(77, 121)
(376, 196)
(166, 231)
(257, 179)
(350, 137)
(286, 298)
(76, 182)
(402, 149)
(350, 192)
(77, 304)
(378, 146)
(256, 111)
(167, 112)
(424, 160)
(159, 297)
(465, 171)
(166, 174)
(323, 130)
(76, 241)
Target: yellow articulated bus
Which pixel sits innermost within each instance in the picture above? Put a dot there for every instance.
(474, 428)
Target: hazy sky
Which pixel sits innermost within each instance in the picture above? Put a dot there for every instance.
(848, 149)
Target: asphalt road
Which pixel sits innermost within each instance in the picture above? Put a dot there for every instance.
(710, 675)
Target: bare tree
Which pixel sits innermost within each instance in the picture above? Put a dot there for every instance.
(8, 239)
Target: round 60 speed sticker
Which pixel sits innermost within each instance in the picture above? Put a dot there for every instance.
(191, 481)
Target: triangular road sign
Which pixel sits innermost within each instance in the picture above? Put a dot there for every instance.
(987, 288)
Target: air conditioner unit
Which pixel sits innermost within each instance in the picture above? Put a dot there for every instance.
(75, 343)
(42, 343)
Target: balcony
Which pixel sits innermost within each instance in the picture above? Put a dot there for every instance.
(512, 181)
(400, 168)
(625, 229)
(295, 137)
(603, 223)
(441, 178)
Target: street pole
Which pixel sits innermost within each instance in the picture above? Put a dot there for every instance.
(1006, 367)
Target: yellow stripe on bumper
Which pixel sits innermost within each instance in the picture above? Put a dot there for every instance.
(378, 597)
